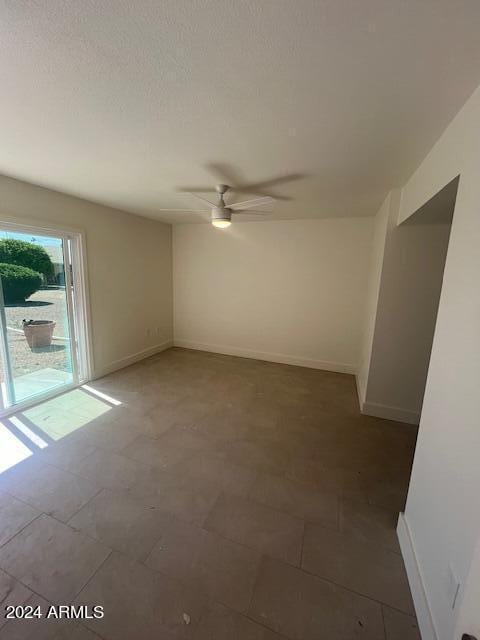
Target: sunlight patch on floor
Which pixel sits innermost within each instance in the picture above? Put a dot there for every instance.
(12, 450)
(29, 431)
(66, 413)
(101, 395)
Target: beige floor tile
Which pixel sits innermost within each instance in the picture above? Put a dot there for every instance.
(66, 453)
(169, 394)
(185, 438)
(369, 523)
(191, 409)
(296, 499)
(12, 593)
(223, 426)
(52, 559)
(51, 490)
(368, 569)
(304, 607)
(343, 482)
(72, 631)
(400, 626)
(260, 454)
(141, 603)
(139, 395)
(112, 432)
(162, 416)
(153, 453)
(222, 623)
(221, 569)
(257, 526)
(121, 523)
(183, 411)
(215, 472)
(174, 493)
(261, 412)
(386, 492)
(14, 515)
(110, 470)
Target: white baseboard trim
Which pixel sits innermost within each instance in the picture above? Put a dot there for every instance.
(415, 579)
(115, 365)
(390, 413)
(282, 358)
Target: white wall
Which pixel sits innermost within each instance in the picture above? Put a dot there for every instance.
(129, 269)
(443, 507)
(288, 291)
(408, 295)
(468, 619)
(375, 274)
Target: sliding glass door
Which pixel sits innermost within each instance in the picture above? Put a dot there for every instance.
(40, 314)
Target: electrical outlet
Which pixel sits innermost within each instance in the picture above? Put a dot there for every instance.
(453, 586)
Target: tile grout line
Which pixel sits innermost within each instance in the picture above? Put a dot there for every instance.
(22, 529)
(302, 545)
(109, 554)
(26, 586)
(362, 595)
(67, 522)
(384, 624)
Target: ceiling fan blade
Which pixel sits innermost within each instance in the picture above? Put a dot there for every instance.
(273, 182)
(253, 212)
(210, 204)
(248, 189)
(253, 202)
(258, 188)
(193, 189)
(225, 173)
(192, 210)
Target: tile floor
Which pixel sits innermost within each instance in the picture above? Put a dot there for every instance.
(223, 499)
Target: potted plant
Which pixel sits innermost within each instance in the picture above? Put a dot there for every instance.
(38, 333)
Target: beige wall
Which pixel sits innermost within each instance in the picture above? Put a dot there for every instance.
(289, 291)
(129, 269)
(441, 525)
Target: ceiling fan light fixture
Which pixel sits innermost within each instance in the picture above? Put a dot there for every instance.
(221, 224)
(221, 217)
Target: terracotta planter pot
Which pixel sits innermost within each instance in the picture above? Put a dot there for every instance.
(38, 332)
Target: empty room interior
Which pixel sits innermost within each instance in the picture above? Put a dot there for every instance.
(240, 320)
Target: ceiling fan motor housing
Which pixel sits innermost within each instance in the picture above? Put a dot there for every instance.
(221, 213)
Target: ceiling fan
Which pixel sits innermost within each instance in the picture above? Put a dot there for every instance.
(221, 213)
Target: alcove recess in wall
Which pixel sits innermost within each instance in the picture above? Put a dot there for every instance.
(414, 258)
(439, 209)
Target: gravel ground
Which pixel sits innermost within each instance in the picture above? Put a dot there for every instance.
(49, 304)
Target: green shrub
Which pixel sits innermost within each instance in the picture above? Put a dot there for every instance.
(26, 254)
(18, 282)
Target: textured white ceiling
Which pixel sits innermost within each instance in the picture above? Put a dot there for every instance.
(121, 102)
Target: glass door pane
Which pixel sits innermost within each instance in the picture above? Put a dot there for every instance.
(35, 314)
